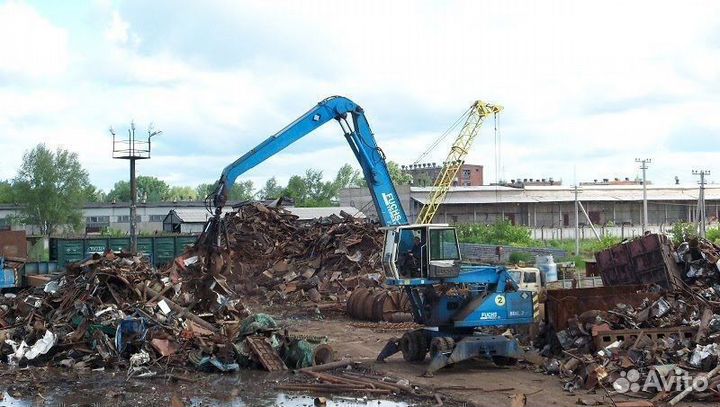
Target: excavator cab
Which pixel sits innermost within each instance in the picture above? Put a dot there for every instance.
(421, 252)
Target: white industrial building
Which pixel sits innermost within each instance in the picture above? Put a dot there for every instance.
(549, 210)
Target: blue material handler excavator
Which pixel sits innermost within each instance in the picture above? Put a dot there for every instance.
(451, 300)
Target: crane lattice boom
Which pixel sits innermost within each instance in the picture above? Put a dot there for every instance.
(456, 158)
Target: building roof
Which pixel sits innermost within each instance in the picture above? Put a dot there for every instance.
(597, 193)
(191, 215)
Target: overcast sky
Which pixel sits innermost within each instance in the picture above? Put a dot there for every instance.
(587, 86)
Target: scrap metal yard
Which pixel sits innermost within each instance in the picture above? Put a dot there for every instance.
(328, 203)
(276, 302)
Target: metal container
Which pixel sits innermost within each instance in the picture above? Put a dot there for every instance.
(645, 260)
(42, 267)
(31, 268)
(589, 282)
(70, 251)
(560, 284)
(93, 246)
(8, 278)
(182, 243)
(161, 249)
(562, 305)
(547, 266)
(119, 244)
(164, 252)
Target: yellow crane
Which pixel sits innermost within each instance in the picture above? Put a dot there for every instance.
(456, 158)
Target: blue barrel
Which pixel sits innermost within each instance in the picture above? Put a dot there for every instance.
(546, 265)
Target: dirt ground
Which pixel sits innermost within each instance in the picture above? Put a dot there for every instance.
(499, 383)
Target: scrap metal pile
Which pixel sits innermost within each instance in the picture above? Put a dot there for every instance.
(655, 350)
(119, 311)
(273, 256)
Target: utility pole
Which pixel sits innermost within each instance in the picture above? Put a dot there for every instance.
(643, 166)
(132, 149)
(577, 223)
(701, 200)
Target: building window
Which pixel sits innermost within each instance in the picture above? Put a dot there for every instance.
(97, 219)
(126, 219)
(566, 219)
(466, 174)
(5, 223)
(157, 218)
(594, 217)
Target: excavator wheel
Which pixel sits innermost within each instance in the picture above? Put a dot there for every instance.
(441, 344)
(414, 346)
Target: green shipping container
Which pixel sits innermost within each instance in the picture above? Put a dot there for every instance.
(164, 250)
(182, 243)
(145, 247)
(93, 246)
(70, 251)
(161, 249)
(119, 244)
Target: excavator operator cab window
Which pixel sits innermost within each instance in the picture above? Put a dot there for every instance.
(412, 253)
(443, 245)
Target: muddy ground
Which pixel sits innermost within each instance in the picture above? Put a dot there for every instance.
(492, 385)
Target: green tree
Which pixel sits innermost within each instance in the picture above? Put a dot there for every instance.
(346, 177)
(271, 190)
(154, 188)
(398, 176)
(242, 191)
(319, 192)
(50, 188)
(6, 192)
(93, 194)
(203, 190)
(178, 193)
(296, 189)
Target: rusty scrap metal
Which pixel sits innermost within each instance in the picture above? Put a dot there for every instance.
(379, 304)
(265, 354)
(670, 328)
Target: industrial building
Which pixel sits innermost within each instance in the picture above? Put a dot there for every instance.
(549, 210)
(425, 174)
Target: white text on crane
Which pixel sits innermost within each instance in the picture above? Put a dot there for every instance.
(392, 207)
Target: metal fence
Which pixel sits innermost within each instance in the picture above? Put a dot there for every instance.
(585, 232)
(488, 252)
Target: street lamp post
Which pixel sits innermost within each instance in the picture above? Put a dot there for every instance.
(701, 200)
(132, 149)
(644, 166)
